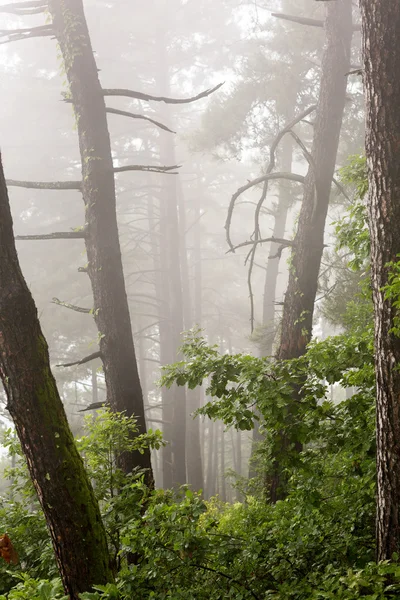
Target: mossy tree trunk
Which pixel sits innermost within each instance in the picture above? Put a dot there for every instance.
(111, 310)
(55, 466)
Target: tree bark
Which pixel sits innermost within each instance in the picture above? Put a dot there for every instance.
(306, 257)
(55, 466)
(111, 310)
(381, 52)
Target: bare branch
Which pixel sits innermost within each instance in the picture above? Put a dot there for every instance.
(250, 184)
(94, 406)
(124, 113)
(306, 20)
(58, 235)
(300, 20)
(71, 306)
(149, 97)
(23, 34)
(148, 169)
(83, 360)
(45, 185)
(283, 242)
(23, 5)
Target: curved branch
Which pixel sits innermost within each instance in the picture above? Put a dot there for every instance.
(45, 185)
(124, 113)
(71, 306)
(149, 97)
(83, 360)
(58, 235)
(250, 184)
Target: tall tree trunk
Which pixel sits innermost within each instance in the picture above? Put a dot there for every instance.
(166, 352)
(193, 317)
(111, 311)
(309, 241)
(271, 281)
(55, 466)
(223, 480)
(170, 226)
(210, 483)
(381, 50)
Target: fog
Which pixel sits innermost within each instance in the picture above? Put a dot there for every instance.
(183, 267)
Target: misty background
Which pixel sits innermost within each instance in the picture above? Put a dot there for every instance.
(178, 268)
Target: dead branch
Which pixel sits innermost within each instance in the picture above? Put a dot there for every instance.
(94, 406)
(58, 235)
(124, 113)
(250, 184)
(71, 306)
(306, 20)
(83, 360)
(283, 242)
(149, 97)
(300, 20)
(14, 35)
(45, 185)
(148, 169)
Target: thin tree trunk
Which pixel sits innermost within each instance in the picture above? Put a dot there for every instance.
(210, 485)
(166, 353)
(193, 317)
(55, 466)
(111, 310)
(381, 50)
(271, 281)
(170, 225)
(309, 241)
(223, 480)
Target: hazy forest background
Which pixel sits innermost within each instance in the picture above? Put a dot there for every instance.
(237, 135)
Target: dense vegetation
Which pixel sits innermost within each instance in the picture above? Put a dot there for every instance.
(318, 543)
(275, 473)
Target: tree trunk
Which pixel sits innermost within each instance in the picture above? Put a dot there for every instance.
(309, 241)
(166, 353)
(171, 233)
(380, 28)
(193, 318)
(271, 281)
(210, 483)
(111, 311)
(55, 466)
